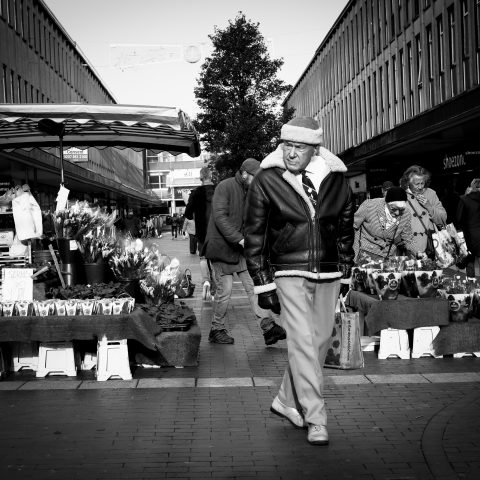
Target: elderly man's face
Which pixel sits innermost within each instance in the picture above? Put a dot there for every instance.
(297, 155)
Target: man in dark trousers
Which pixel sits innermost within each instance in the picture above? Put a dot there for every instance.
(224, 248)
(199, 208)
(299, 249)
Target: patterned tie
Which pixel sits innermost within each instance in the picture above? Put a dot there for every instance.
(309, 188)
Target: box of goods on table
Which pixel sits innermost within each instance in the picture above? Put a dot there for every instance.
(406, 294)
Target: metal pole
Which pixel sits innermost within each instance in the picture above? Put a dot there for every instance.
(62, 179)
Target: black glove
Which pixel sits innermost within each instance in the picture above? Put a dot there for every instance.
(344, 288)
(269, 301)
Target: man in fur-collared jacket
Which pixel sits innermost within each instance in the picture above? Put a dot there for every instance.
(299, 246)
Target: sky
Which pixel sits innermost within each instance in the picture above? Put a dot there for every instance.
(143, 73)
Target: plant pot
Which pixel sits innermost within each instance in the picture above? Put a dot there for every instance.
(95, 272)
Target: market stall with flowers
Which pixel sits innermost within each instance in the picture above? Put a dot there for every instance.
(406, 294)
(104, 286)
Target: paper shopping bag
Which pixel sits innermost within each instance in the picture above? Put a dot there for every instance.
(345, 350)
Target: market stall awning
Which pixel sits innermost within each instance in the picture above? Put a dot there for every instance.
(99, 126)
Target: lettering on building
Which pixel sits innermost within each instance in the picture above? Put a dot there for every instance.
(454, 161)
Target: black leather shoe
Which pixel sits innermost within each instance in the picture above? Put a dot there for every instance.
(220, 336)
(275, 334)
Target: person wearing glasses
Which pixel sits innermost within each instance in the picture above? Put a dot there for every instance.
(383, 227)
(424, 205)
(298, 246)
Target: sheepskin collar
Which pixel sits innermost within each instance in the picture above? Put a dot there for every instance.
(275, 159)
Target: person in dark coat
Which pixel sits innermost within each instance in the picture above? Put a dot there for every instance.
(224, 248)
(299, 249)
(468, 219)
(199, 208)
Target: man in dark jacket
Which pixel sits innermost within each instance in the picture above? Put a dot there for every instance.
(299, 244)
(224, 248)
(199, 208)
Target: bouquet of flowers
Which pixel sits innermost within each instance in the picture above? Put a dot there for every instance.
(94, 248)
(133, 261)
(161, 284)
(79, 219)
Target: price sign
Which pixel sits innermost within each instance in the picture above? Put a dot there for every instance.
(17, 284)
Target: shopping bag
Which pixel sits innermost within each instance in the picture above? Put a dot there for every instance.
(345, 350)
(27, 215)
(185, 286)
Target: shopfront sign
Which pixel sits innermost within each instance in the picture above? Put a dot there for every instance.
(460, 161)
(453, 161)
(76, 155)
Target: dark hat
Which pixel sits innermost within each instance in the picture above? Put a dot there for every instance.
(396, 194)
(386, 185)
(251, 166)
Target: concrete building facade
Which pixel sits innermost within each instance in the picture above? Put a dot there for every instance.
(396, 83)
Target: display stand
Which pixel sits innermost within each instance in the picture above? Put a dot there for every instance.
(112, 360)
(56, 358)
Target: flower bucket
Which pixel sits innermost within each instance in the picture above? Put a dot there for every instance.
(68, 250)
(359, 279)
(428, 282)
(370, 281)
(95, 273)
(387, 284)
(132, 287)
(409, 284)
(459, 306)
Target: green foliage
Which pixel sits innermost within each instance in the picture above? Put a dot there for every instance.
(239, 94)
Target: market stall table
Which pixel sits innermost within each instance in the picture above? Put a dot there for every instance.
(402, 314)
(135, 326)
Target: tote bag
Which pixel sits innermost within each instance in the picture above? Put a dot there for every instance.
(345, 350)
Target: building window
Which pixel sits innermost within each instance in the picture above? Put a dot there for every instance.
(392, 19)
(21, 28)
(399, 16)
(394, 89)
(387, 97)
(452, 50)
(416, 8)
(385, 19)
(407, 12)
(12, 86)
(381, 100)
(477, 38)
(430, 97)
(153, 181)
(411, 79)
(4, 84)
(25, 91)
(402, 86)
(441, 63)
(465, 47)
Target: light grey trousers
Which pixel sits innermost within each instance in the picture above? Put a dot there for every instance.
(308, 316)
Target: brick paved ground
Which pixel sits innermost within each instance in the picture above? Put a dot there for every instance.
(394, 419)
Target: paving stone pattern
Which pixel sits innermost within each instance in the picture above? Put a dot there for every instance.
(395, 419)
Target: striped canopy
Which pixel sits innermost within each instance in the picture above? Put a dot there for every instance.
(99, 126)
